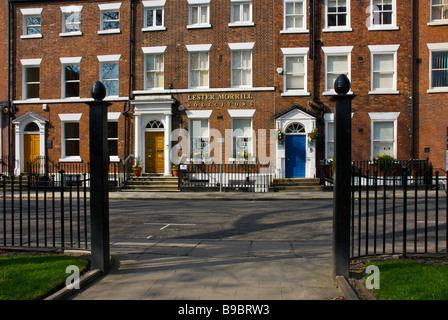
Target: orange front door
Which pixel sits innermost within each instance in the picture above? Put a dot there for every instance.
(154, 152)
(31, 149)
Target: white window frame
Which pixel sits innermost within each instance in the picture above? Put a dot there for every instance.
(337, 51)
(240, 4)
(154, 5)
(243, 114)
(110, 59)
(383, 49)
(329, 119)
(198, 4)
(383, 117)
(347, 27)
(303, 29)
(237, 48)
(69, 118)
(192, 49)
(31, 13)
(66, 12)
(435, 22)
(113, 117)
(147, 51)
(204, 149)
(29, 63)
(373, 27)
(113, 7)
(66, 62)
(295, 52)
(434, 47)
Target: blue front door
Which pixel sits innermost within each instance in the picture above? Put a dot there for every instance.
(295, 156)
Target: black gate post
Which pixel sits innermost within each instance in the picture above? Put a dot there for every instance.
(99, 168)
(342, 177)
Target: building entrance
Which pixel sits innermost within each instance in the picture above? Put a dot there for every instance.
(154, 152)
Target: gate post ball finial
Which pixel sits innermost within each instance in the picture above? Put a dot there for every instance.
(98, 91)
(342, 85)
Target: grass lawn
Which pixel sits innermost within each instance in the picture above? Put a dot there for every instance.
(27, 277)
(411, 280)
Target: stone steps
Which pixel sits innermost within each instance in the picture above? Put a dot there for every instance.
(297, 184)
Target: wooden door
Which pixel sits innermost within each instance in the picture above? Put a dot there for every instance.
(31, 149)
(154, 152)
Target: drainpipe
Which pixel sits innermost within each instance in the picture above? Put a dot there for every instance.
(9, 90)
(127, 105)
(412, 80)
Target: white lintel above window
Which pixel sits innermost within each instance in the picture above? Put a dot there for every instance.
(198, 47)
(70, 60)
(30, 62)
(110, 6)
(199, 114)
(241, 46)
(67, 117)
(152, 4)
(109, 58)
(289, 51)
(237, 113)
(148, 50)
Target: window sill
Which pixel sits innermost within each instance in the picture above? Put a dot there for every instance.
(149, 29)
(70, 34)
(295, 94)
(337, 29)
(385, 92)
(241, 24)
(333, 93)
(201, 26)
(114, 31)
(383, 28)
(438, 23)
(70, 159)
(437, 90)
(294, 31)
(114, 159)
(31, 36)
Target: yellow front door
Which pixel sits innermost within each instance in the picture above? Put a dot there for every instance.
(31, 149)
(154, 152)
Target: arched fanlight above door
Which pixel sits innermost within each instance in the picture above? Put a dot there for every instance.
(154, 124)
(295, 128)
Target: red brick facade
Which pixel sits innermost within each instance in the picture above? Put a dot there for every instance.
(420, 121)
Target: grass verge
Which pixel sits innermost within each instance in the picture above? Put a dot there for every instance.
(411, 280)
(28, 277)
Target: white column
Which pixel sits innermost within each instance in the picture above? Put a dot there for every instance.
(19, 156)
(167, 144)
(138, 137)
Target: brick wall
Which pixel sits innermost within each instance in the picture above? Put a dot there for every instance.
(432, 107)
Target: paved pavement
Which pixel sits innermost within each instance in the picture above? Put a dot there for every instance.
(206, 269)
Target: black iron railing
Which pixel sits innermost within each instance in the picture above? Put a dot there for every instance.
(250, 177)
(51, 213)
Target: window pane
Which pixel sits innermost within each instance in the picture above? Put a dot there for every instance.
(72, 89)
(111, 87)
(242, 127)
(204, 15)
(194, 15)
(295, 83)
(383, 131)
(383, 62)
(159, 17)
(109, 71)
(383, 81)
(71, 130)
(71, 148)
(72, 72)
(112, 129)
(113, 147)
(337, 64)
(330, 133)
(236, 13)
(383, 148)
(32, 74)
(439, 74)
(149, 18)
(32, 91)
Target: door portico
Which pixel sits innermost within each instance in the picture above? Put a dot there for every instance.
(152, 132)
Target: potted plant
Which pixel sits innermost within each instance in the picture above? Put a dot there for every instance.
(314, 134)
(280, 135)
(175, 170)
(385, 164)
(137, 167)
